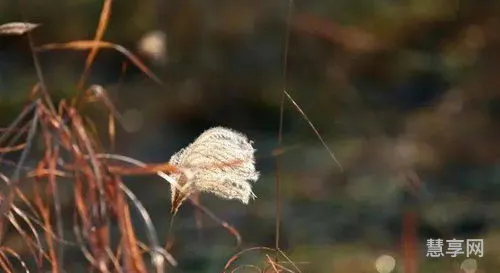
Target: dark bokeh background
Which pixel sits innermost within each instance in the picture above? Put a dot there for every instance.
(405, 92)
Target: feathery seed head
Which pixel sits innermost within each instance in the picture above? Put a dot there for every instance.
(220, 161)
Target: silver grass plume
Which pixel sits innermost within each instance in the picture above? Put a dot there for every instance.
(220, 161)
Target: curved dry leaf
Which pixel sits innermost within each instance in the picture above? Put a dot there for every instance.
(90, 44)
(17, 28)
(101, 28)
(220, 161)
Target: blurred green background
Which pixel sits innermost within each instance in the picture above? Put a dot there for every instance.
(405, 92)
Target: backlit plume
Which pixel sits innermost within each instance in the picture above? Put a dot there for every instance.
(220, 161)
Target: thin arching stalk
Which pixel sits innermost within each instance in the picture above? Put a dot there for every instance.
(280, 130)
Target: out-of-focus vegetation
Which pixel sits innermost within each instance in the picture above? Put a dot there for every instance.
(404, 92)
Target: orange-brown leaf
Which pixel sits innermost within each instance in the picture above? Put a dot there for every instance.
(101, 28)
(89, 44)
